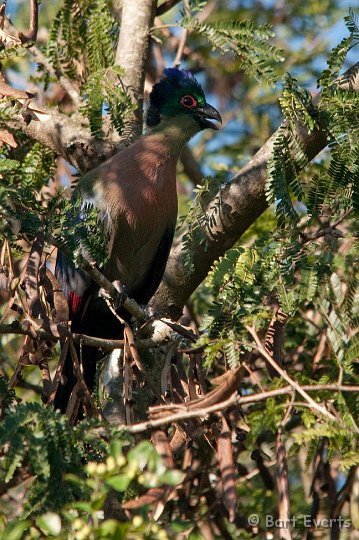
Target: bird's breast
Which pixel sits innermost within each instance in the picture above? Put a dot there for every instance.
(141, 208)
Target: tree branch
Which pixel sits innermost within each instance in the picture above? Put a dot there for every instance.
(232, 211)
(66, 137)
(166, 6)
(30, 36)
(136, 21)
(186, 413)
(183, 38)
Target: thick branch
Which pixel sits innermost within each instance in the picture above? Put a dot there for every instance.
(234, 209)
(67, 138)
(132, 49)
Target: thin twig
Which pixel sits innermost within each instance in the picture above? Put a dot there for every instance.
(326, 231)
(66, 84)
(31, 35)
(186, 413)
(183, 38)
(128, 303)
(88, 341)
(286, 377)
(166, 6)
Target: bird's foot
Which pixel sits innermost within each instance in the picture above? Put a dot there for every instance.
(122, 294)
(118, 298)
(165, 330)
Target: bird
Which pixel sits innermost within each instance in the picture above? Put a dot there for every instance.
(135, 195)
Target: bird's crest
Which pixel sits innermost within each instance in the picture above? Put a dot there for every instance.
(166, 94)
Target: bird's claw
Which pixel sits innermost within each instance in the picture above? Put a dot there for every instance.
(162, 332)
(120, 296)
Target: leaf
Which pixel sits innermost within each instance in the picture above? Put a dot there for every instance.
(15, 530)
(153, 495)
(49, 523)
(226, 466)
(141, 454)
(171, 478)
(162, 445)
(113, 529)
(83, 505)
(120, 482)
(7, 138)
(248, 42)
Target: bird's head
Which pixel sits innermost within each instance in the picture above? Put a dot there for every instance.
(179, 94)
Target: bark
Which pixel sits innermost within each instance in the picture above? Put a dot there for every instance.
(67, 137)
(132, 49)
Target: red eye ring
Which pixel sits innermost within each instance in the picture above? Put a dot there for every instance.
(188, 102)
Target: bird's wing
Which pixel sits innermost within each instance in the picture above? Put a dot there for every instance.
(154, 274)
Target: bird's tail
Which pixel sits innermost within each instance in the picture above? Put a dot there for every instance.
(81, 362)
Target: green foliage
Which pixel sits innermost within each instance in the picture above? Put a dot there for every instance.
(25, 207)
(22, 199)
(42, 441)
(248, 42)
(7, 397)
(15, 50)
(78, 231)
(91, 27)
(195, 224)
(294, 272)
(68, 491)
(339, 53)
(82, 26)
(104, 86)
(337, 116)
(340, 441)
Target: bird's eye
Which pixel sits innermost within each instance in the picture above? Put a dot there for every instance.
(188, 101)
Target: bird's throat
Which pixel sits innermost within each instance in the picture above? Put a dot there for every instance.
(174, 132)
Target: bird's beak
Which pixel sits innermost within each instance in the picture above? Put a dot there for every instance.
(206, 113)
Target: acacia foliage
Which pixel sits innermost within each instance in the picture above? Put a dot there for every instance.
(293, 279)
